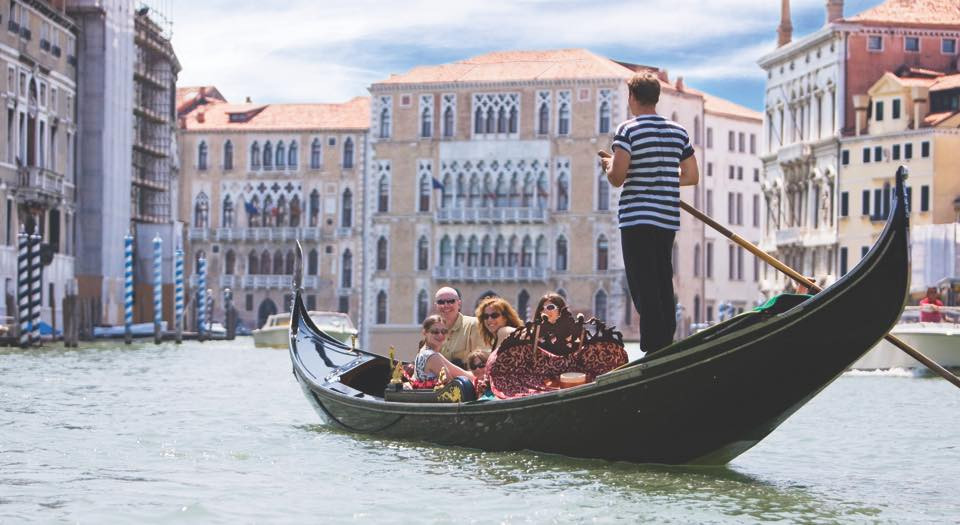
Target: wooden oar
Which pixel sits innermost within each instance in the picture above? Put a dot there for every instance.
(793, 274)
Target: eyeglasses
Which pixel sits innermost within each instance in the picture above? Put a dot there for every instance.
(439, 331)
(441, 302)
(478, 364)
(494, 315)
(550, 307)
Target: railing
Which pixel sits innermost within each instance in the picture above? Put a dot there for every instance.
(274, 234)
(490, 274)
(786, 236)
(199, 234)
(491, 215)
(804, 236)
(794, 153)
(40, 185)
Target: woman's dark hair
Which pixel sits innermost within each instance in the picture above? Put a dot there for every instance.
(551, 297)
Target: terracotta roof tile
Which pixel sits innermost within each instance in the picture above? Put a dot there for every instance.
(351, 115)
(912, 13)
(190, 97)
(932, 119)
(946, 82)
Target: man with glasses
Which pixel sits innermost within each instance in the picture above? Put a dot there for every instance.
(464, 333)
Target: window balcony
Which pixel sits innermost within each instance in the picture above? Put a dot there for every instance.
(488, 215)
(229, 281)
(788, 236)
(344, 232)
(279, 282)
(40, 186)
(482, 274)
(198, 234)
(258, 234)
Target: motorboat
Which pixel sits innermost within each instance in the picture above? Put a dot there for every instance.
(938, 341)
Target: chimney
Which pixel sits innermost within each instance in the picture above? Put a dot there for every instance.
(785, 31)
(663, 75)
(249, 100)
(834, 10)
(679, 84)
(861, 103)
(918, 95)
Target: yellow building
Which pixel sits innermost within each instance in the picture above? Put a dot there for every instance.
(911, 119)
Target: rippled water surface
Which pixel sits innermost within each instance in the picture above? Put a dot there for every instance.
(220, 432)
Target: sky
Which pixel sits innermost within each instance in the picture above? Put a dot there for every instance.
(309, 51)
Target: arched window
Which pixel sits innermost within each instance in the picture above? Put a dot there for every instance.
(292, 156)
(289, 263)
(295, 211)
(459, 252)
(514, 117)
(600, 305)
(423, 254)
(313, 262)
(201, 211)
(696, 260)
(540, 261)
(528, 186)
(255, 156)
(316, 154)
(253, 263)
(461, 191)
(346, 269)
(228, 212)
(543, 191)
(448, 122)
(446, 252)
(563, 192)
(486, 252)
(489, 191)
(502, 199)
(696, 130)
(602, 249)
(446, 194)
(382, 253)
(478, 126)
(267, 156)
(491, 121)
(526, 252)
(603, 192)
(382, 307)
(513, 251)
(278, 263)
(346, 209)
(281, 156)
(543, 120)
(561, 263)
(563, 119)
(475, 198)
(230, 262)
(202, 155)
(253, 212)
(314, 208)
(269, 211)
(473, 251)
(523, 304)
(426, 187)
(265, 262)
(500, 253)
(228, 155)
(426, 123)
(385, 123)
(383, 195)
(281, 215)
(696, 309)
(423, 306)
(502, 120)
(348, 153)
(604, 126)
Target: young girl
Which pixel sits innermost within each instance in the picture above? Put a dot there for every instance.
(429, 360)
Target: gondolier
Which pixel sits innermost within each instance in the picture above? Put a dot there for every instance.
(652, 158)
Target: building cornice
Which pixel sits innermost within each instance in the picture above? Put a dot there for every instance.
(898, 134)
(799, 46)
(223, 131)
(399, 87)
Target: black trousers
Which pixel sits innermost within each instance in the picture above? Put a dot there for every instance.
(647, 259)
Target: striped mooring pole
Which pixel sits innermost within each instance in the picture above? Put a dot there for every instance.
(128, 288)
(157, 289)
(209, 315)
(36, 286)
(23, 287)
(178, 294)
(201, 304)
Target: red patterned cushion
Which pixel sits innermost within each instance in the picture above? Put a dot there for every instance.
(519, 370)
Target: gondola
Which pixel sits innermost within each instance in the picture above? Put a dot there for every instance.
(703, 400)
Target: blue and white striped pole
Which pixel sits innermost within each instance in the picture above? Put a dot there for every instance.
(178, 294)
(157, 289)
(23, 286)
(36, 286)
(201, 297)
(128, 288)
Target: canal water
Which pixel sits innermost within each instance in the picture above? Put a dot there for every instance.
(221, 433)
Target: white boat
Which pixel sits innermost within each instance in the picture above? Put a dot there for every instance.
(938, 341)
(275, 330)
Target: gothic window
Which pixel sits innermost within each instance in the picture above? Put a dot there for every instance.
(603, 192)
(348, 153)
(281, 156)
(227, 212)
(445, 252)
(202, 155)
(486, 252)
(201, 211)
(278, 262)
(253, 263)
(543, 192)
(491, 120)
(449, 114)
(515, 190)
(526, 252)
(267, 156)
(346, 209)
(523, 304)
(382, 253)
(500, 255)
(502, 120)
(604, 126)
(265, 263)
(313, 262)
(600, 305)
(281, 214)
(543, 123)
(528, 186)
(563, 193)
(253, 212)
(295, 211)
(383, 195)
(448, 122)
(502, 199)
(461, 190)
(459, 252)
(541, 258)
(561, 264)
(289, 263)
(475, 197)
(385, 123)
(514, 120)
(315, 154)
(478, 126)
(422, 306)
(346, 269)
(255, 156)
(228, 155)
(563, 119)
(382, 307)
(292, 157)
(426, 116)
(269, 211)
(473, 251)
(495, 113)
(230, 262)
(314, 208)
(423, 253)
(513, 253)
(602, 250)
(426, 187)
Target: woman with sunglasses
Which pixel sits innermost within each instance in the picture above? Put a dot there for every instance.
(497, 320)
(429, 360)
(549, 309)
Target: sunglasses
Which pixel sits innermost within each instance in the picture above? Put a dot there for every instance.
(439, 331)
(441, 302)
(478, 364)
(550, 307)
(494, 315)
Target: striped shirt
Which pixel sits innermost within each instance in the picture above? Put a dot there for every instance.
(651, 190)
